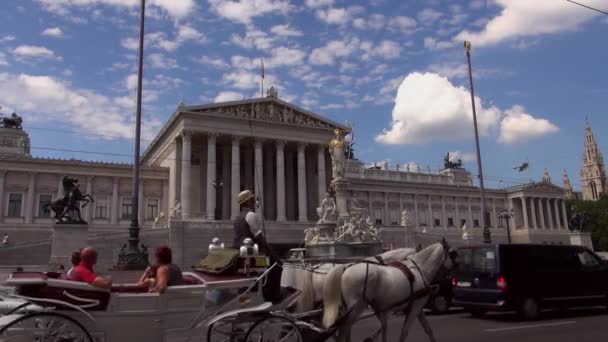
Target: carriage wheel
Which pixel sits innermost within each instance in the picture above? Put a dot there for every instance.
(44, 327)
(225, 331)
(275, 329)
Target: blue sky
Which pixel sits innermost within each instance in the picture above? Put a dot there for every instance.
(397, 69)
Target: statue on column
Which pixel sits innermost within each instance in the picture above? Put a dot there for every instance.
(338, 156)
(327, 210)
(546, 176)
(176, 211)
(404, 218)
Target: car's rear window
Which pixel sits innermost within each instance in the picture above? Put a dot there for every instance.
(479, 259)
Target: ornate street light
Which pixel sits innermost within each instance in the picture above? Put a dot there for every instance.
(133, 258)
(486, 230)
(506, 215)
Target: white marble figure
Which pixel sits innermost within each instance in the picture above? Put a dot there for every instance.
(5, 239)
(407, 167)
(546, 177)
(338, 156)
(311, 236)
(358, 230)
(397, 166)
(385, 165)
(465, 232)
(176, 211)
(159, 221)
(327, 210)
(404, 218)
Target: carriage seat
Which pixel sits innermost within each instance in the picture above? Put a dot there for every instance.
(46, 291)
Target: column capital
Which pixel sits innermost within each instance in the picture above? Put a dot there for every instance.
(115, 180)
(301, 146)
(3, 172)
(280, 143)
(185, 133)
(235, 139)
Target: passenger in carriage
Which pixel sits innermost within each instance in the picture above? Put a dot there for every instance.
(158, 277)
(75, 261)
(84, 271)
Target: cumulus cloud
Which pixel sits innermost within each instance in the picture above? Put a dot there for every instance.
(216, 62)
(429, 108)
(285, 31)
(332, 50)
(8, 38)
(517, 126)
(374, 22)
(319, 3)
(243, 11)
(338, 16)
(225, 96)
(253, 38)
(53, 32)
(386, 49)
(160, 61)
(402, 24)
(450, 70)
(183, 34)
(428, 16)
(3, 60)
(32, 51)
(464, 156)
(175, 8)
(44, 98)
(434, 44)
(524, 18)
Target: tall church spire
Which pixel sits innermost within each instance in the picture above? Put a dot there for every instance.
(593, 173)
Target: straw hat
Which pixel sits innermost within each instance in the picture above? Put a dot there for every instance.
(245, 196)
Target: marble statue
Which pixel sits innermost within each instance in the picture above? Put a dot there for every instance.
(404, 218)
(465, 232)
(385, 165)
(311, 236)
(338, 156)
(546, 176)
(176, 211)
(159, 221)
(327, 210)
(397, 167)
(407, 167)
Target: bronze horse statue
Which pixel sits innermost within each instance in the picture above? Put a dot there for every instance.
(67, 208)
(13, 121)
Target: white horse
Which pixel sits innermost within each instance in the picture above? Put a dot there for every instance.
(386, 289)
(313, 277)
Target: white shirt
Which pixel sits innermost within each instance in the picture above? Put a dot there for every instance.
(252, 220)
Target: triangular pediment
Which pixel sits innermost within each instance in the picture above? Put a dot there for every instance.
(543, 187)
(269, 109)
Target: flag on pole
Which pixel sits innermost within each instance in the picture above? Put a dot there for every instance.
(262, 61)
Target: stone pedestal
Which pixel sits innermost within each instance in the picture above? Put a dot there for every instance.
(341, 194)
(67, 238)
(343, 249)
(581, 239)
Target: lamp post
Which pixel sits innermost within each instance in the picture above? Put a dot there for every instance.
(486, 230)
(506, 215)
(133, 258)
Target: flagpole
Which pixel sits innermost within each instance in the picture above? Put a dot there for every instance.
(262, 90)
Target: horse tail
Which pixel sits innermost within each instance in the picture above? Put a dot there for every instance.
(332, 295)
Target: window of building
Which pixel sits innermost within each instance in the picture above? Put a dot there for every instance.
(14, 205)
(394, 216)
(43, 201)
(101, 208)
(378, 215)
(437, 222)
(152, 209)
(450, 222)
(475, 223)
(127, 208)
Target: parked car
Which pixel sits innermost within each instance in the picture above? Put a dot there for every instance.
(441, 302)
(527, 278)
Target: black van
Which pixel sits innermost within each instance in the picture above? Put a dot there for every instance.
(526, 278)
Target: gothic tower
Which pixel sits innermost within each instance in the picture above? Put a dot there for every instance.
(593, 174)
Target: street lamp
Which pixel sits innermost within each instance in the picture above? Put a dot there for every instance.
(133, 258)
(486, 230)
(506, 215)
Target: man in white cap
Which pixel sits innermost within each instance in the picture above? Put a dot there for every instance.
(245, 225)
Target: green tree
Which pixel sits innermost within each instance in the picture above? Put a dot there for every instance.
(596, 219)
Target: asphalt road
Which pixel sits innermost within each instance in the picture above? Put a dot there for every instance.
(555, 326)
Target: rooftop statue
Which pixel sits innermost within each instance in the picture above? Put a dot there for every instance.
(338, 157)
(13, 121)
(449, 164)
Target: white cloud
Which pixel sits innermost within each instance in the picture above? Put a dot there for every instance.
(216, 62)
(160, 61)
(242, 11)
(246, 63)
(244, 80)
(450, 70)
(386, 49)
(327, 54)
(433, 44)
(225, 96)
(464, 156)
(319, 3)
(253, 38)
(175, 8)
(285, 31)
(517, 126)
(8, 38)
(524, 18)
(402, 24)
(32, 51)
(53, 32)
(44, 98)
(375, 22)
(3, 60)
(428, 16)
(283, 56)
(183, 34)
(429, 108)
(338, 16)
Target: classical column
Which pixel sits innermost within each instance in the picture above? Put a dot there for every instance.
(258, 176)
(2, 175)
(281, 217)
(302, 210)
(541, 212)
(416, 216)
(400, 207)
(494, 215)
(90, 209)
(114, 213)
(164, 201)
(211, 179)
(235, 176)
(470, 213)
(431, 223)
(321, 172)
(30, 198)
(387, 217)
(565, 215)
(524, 209)
(370, 206)
(558, 224)
(444, 218)
(549, 222)
(186, 186)
(59, 187)
(533, 212)
(457, 218)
